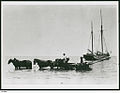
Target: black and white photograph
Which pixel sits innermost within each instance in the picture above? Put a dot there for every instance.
(59, 45)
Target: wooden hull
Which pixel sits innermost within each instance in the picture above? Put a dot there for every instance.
(90, 57)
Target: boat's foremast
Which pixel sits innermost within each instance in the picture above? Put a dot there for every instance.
(101, 32)
(92, 34)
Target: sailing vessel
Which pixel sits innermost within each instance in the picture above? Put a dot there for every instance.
(99, 55)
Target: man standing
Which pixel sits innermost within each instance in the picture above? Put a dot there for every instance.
(65, 58)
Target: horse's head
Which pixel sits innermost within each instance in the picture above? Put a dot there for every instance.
(49, 61)
(9, 61)
(67, 59)
(34, 62)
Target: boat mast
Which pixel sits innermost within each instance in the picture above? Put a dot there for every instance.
(92, 35)
(101, 32)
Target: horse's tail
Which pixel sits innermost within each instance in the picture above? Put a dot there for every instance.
(31, 65)
(30, 62)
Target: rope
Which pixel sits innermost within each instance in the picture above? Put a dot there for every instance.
(94, 48)
(89, 41)
(98, 43)
(105, 44)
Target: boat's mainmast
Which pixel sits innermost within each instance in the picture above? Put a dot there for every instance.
(101, 32)
(92, 35)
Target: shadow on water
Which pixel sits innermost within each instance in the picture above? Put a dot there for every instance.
(20, 71)
(84, 71)
(60, 70)
(48, 70)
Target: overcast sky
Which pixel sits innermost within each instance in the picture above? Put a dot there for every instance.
(47, 30)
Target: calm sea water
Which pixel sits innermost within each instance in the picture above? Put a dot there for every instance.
(102, 73)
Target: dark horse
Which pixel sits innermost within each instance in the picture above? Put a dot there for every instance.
(43, 63)
(20, 64)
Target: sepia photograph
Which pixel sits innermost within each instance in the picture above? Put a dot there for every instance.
(59, 45)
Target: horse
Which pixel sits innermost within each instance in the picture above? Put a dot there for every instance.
(43, 63)
(19, 64)
(70, 66)
(62, 64)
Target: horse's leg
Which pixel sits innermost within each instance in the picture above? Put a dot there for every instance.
(30, 67)
(51, 67)
(15, 68)
(57, 66)
(19, 68)
(26, 67)
(40, 67)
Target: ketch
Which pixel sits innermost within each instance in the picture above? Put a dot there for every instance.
(98, 55)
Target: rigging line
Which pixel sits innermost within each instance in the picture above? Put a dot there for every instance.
(94, 48)
(105, 44)
(98, 46)
(89, 41)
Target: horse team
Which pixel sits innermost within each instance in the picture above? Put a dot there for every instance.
(59, 64)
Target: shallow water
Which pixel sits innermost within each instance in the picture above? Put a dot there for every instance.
(102, 73)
